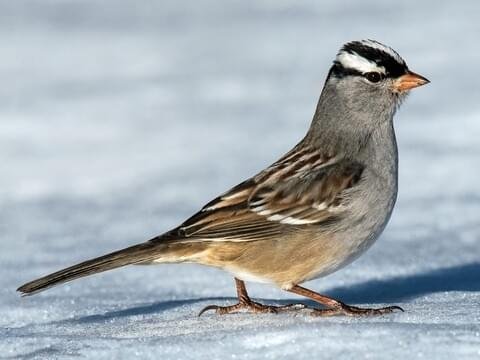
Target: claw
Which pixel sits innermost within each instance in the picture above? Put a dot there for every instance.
(208, 308)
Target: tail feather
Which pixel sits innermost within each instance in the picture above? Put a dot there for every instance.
(144, 252)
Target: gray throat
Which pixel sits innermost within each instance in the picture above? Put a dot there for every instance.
(354, 125)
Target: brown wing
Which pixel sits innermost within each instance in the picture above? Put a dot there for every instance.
(301, 189)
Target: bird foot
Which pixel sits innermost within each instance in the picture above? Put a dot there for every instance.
(249, 306)
(349, 310)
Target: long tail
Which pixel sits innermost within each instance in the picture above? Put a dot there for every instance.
(136, 254)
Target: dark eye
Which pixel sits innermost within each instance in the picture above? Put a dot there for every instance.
(373, 76)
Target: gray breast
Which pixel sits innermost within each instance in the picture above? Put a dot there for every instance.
(373, 199)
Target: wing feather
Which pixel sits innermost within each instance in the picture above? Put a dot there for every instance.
(301, 189)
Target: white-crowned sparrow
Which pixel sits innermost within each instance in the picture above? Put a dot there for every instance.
(308, 214)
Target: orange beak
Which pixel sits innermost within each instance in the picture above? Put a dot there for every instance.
(409, 81)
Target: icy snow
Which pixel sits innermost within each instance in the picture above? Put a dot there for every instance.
(121, 118)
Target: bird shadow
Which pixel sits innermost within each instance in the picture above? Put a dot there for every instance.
(146, 309)
(464, 277)
(457, 278)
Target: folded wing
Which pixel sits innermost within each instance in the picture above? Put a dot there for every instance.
(303, 188)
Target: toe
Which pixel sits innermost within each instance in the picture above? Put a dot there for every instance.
(356, 311)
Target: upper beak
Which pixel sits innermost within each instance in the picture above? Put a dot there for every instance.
(409, 81)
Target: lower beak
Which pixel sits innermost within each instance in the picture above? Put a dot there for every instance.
(409, 81)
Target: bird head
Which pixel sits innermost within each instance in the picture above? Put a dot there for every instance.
(370, 69)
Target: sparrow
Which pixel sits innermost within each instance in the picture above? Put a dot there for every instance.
(310, 213)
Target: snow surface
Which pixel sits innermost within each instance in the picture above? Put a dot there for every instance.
(121, 118)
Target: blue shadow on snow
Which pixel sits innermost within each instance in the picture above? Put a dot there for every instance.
(458, 278)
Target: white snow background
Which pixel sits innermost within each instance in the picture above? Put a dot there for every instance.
(118, 119)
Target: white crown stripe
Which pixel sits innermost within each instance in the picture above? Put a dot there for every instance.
(357, 62)
(350, 59)
(376, 45)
